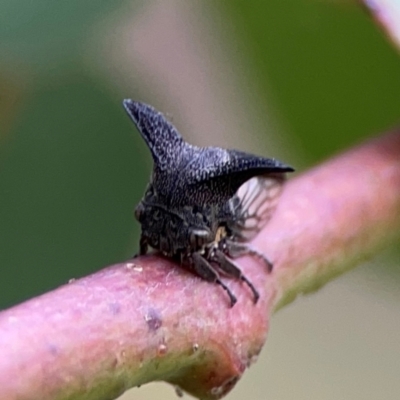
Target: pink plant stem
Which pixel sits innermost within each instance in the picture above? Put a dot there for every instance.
(148, 319)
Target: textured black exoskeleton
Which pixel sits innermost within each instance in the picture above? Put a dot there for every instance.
(203, 204)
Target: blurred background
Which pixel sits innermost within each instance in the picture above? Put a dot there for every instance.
(297, 80)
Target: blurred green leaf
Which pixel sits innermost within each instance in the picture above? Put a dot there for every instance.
(329, 70)
(68, 186)
(43, 32)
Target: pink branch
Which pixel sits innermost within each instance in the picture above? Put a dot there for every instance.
(147, 319)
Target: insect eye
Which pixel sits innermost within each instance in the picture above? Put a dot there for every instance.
(139, 210)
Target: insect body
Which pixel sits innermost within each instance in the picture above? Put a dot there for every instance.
(203, 204)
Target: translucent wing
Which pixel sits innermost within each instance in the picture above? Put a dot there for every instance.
(254, 204)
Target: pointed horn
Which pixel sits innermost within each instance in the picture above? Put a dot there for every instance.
(213, 162)
(217, 173)
(162, 138)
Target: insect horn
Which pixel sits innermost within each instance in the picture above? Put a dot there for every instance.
(162, 138)
(220, 173)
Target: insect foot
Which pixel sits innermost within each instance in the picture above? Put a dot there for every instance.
(203, 204)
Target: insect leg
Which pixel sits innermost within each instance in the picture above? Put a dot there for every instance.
(230, 268)
(204, 269)
(143, 247)
(235, 250)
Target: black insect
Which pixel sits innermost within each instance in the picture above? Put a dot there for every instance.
(203, 204)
